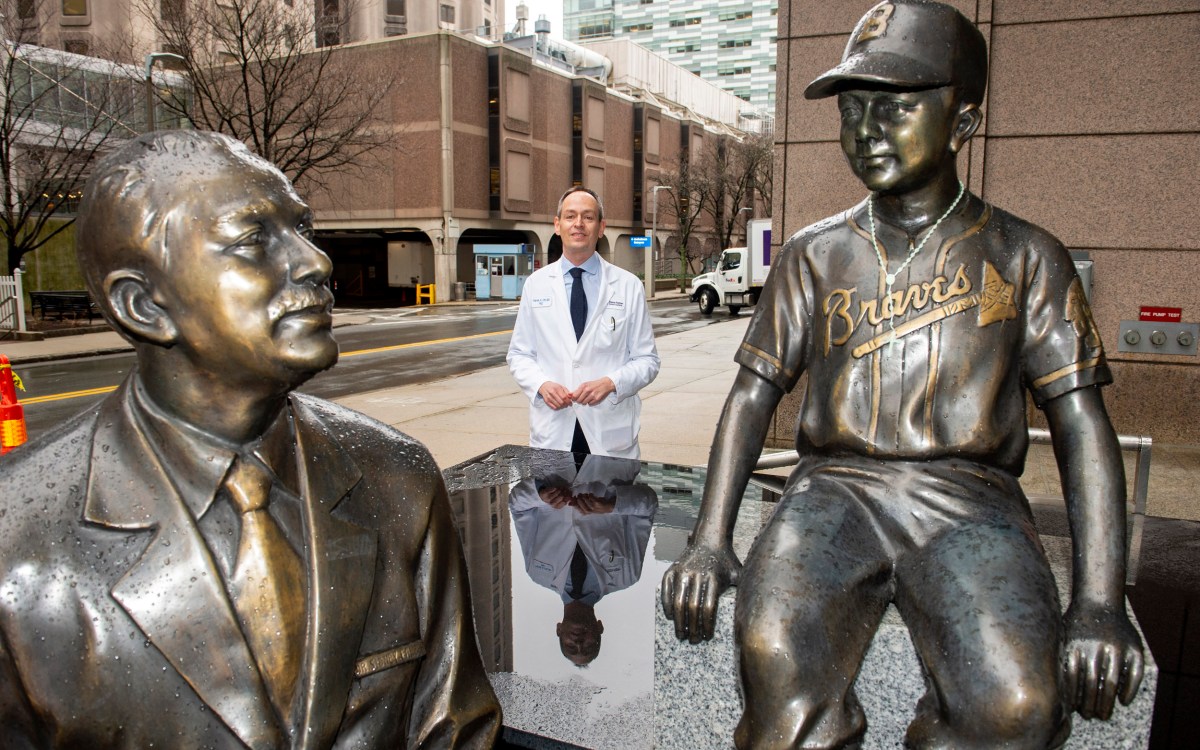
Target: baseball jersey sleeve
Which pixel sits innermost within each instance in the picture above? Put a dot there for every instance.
(1062, 351)
(777, 341)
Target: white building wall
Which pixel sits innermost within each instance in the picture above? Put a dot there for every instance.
(729, 43)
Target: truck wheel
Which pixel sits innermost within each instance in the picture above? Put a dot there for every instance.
(707, 301)
(734, 310)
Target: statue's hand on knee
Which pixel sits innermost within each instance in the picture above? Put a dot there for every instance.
(1103, 659)
(692, 586)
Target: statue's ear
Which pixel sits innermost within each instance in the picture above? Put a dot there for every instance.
(133, 308)
(968, 121)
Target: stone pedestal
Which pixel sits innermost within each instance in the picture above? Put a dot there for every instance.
(698, 702)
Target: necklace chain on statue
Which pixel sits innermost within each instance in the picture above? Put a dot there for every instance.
(890, 278)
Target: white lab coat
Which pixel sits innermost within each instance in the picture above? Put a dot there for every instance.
(613, 543)
(617, 342)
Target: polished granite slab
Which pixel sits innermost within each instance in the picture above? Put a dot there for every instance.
(643, 688)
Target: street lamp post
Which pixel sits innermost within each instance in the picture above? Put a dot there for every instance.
(745, 238)
(653, 237)
(150, 59)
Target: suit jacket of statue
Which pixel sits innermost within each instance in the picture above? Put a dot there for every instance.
(116, 630)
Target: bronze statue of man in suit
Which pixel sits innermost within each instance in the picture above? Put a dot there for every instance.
(206, 559)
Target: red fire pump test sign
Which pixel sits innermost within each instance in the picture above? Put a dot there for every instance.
(1161, 314)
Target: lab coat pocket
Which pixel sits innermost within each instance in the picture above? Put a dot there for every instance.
(619, 425)
(541, 424)
(612, 328)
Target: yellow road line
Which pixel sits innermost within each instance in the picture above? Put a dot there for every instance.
(69, 394)
(111, 388)
(425, 343)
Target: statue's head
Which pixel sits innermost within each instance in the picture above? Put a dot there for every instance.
(199, 250)
(909, 87)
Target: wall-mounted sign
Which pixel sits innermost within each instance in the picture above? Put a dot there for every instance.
(639, 240)
(1161, 314)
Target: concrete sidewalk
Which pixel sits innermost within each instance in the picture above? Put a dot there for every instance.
(465, 416)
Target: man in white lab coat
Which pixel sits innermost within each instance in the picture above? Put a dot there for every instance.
(582, 346)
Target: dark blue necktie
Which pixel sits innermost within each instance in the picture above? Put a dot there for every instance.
(579, 568)
(578, 302)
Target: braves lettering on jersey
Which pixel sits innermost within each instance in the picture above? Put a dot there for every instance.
(939, 366)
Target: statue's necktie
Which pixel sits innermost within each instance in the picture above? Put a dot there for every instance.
(268, 584)
(578, 302)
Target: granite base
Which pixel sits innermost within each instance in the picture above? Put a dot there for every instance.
(697, 700)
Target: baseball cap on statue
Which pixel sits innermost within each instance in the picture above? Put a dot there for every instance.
(910, 44)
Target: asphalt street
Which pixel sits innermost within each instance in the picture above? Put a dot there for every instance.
(395, 347)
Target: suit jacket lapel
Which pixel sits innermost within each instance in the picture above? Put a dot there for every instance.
(342, 572)
(175, 581)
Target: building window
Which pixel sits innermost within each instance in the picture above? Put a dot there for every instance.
(76, 46)
(691, 47)
(396, 7)
(27, 9)
(735, 15)
(596, 27)
(646, 26)
(446, 14)
(731, 43)
(733, 70)
(677, 22)
(74, 7)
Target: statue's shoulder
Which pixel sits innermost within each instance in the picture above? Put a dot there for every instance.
(43, 484)
(58, 454)
(1021, 233)
(367, 438)
(832, 231)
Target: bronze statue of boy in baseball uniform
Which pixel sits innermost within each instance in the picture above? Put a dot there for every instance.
(920, 316)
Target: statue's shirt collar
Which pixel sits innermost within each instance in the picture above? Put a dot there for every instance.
(198, 461)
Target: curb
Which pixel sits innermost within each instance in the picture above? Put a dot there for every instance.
(31, 359)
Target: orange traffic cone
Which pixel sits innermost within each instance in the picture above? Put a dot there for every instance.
(12, 415)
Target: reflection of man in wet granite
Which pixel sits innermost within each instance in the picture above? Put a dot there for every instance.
(207, 559)
(920, 316)
(583, 530)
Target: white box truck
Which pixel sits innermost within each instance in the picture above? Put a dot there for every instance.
(740, 273)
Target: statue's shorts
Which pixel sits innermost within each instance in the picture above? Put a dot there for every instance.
(952, 544)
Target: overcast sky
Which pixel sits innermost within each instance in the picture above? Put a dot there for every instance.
(552, 9)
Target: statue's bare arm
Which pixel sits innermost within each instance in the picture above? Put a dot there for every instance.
(708, 565)
(1104, 659)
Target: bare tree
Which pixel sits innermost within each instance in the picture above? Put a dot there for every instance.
(730, 175)
(59, 112)
(257, 74)
(685, 204)
(761, 154)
